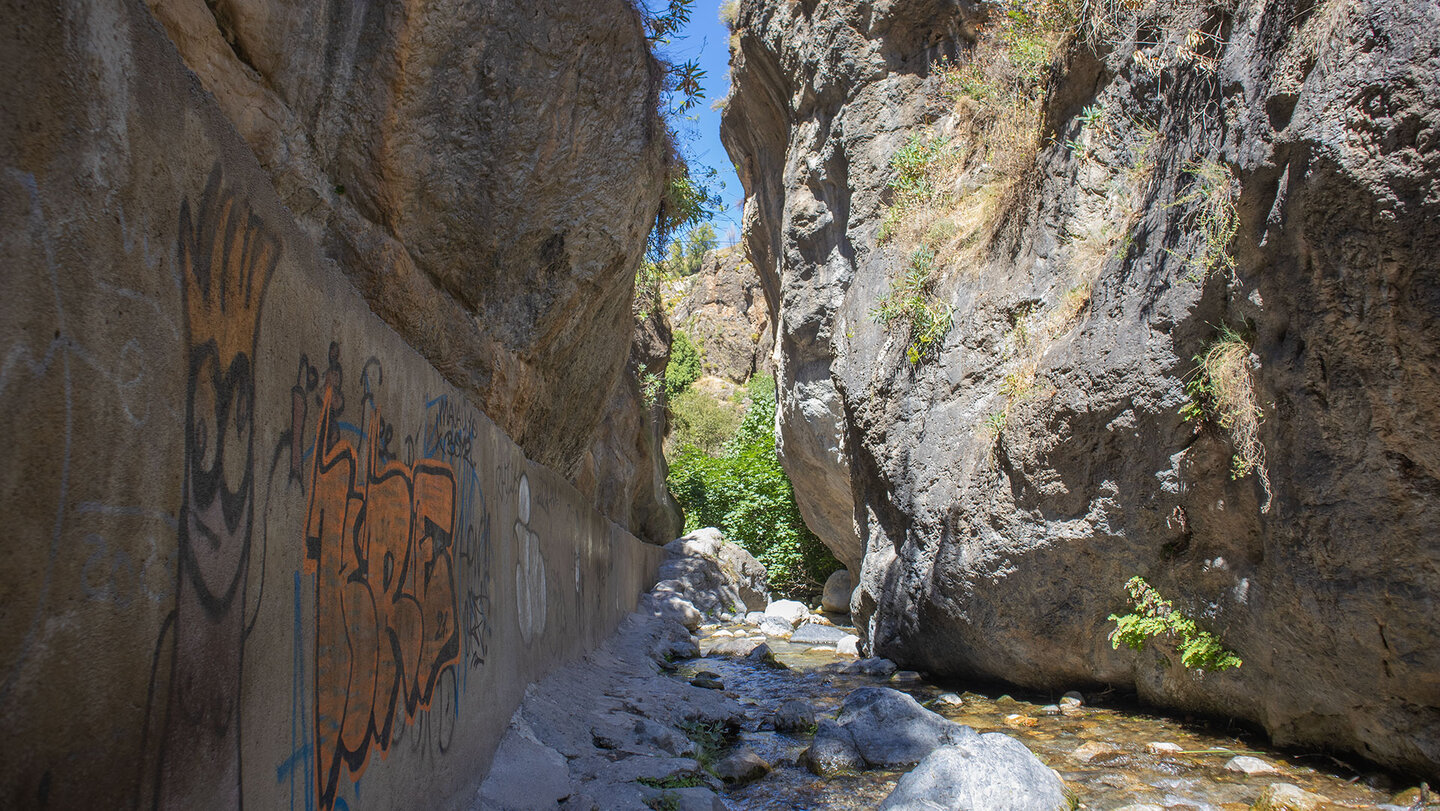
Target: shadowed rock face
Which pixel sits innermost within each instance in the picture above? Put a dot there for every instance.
(1002, 554)
(486, 176)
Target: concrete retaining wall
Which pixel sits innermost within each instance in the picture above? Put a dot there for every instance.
(257, 550)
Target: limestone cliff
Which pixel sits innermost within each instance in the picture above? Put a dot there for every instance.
(484, 174)
(996, 491)
(724, 309)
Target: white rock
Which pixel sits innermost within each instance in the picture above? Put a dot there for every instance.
(792, 611)
(775, 626)
(1163, 748)
(1250, 765)
(950, 700)
(849, 645)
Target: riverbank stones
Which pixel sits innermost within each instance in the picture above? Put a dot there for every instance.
(812, 633)
(832, 751)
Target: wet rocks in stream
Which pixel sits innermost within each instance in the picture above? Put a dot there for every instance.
(990, 772)
(891, 729)
(833, 751)
(795, 715)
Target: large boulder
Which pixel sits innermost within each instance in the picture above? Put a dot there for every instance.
(812, 633)
(991, 772)
(791, 611)
(890, 729)
(717, 576)
(836, 596)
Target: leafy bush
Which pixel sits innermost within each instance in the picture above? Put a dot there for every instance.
(699, 421)
(910, 302)
(746, 493)
(685, 365)
(1221, 389)
(1154, 616)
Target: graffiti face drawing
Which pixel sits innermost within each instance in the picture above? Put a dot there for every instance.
(226, 259)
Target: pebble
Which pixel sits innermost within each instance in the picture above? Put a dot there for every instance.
(905, 677)
(1073, 695)
(1015, 719)
(1249, 765)
(708, 684)
(849, 645)
(1051, 709)
(950, 700)
(1091, 751)
(741, 766)
(720, 634)
(1163, 748)
(1286, 797)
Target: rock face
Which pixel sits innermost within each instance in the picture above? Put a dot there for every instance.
(725, 310)
(997, 522)
(624, 470)
(446, 158)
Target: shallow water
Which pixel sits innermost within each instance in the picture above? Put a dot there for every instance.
(1131, 774)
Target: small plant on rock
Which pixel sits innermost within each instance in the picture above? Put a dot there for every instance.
(1222, 389)
(1211, 202)
(911, 303)
(1154, 616)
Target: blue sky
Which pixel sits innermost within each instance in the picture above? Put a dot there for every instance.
(706, 40)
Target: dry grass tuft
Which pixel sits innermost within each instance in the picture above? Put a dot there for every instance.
(1223, 389)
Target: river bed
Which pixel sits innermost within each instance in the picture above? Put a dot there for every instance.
(1104, 749)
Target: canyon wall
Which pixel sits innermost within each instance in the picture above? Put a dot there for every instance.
(266, 545)
(996, 491)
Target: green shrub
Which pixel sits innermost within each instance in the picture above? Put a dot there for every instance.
(1154, 616)
(685, 365)
(744, 492)
(910, 303)
(699, 421)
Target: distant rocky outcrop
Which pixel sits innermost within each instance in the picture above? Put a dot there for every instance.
(724, 309)
(994, 497)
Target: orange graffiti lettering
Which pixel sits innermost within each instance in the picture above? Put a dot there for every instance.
(380, 541)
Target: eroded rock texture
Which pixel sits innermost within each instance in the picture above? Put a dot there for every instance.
(724, 308)
(997, 545)
(485, 174)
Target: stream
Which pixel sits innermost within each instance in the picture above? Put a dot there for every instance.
(1104, 749)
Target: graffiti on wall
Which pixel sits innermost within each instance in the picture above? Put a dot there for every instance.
(226, 257)
(529, 570)
(380, 538)
(452, 429)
